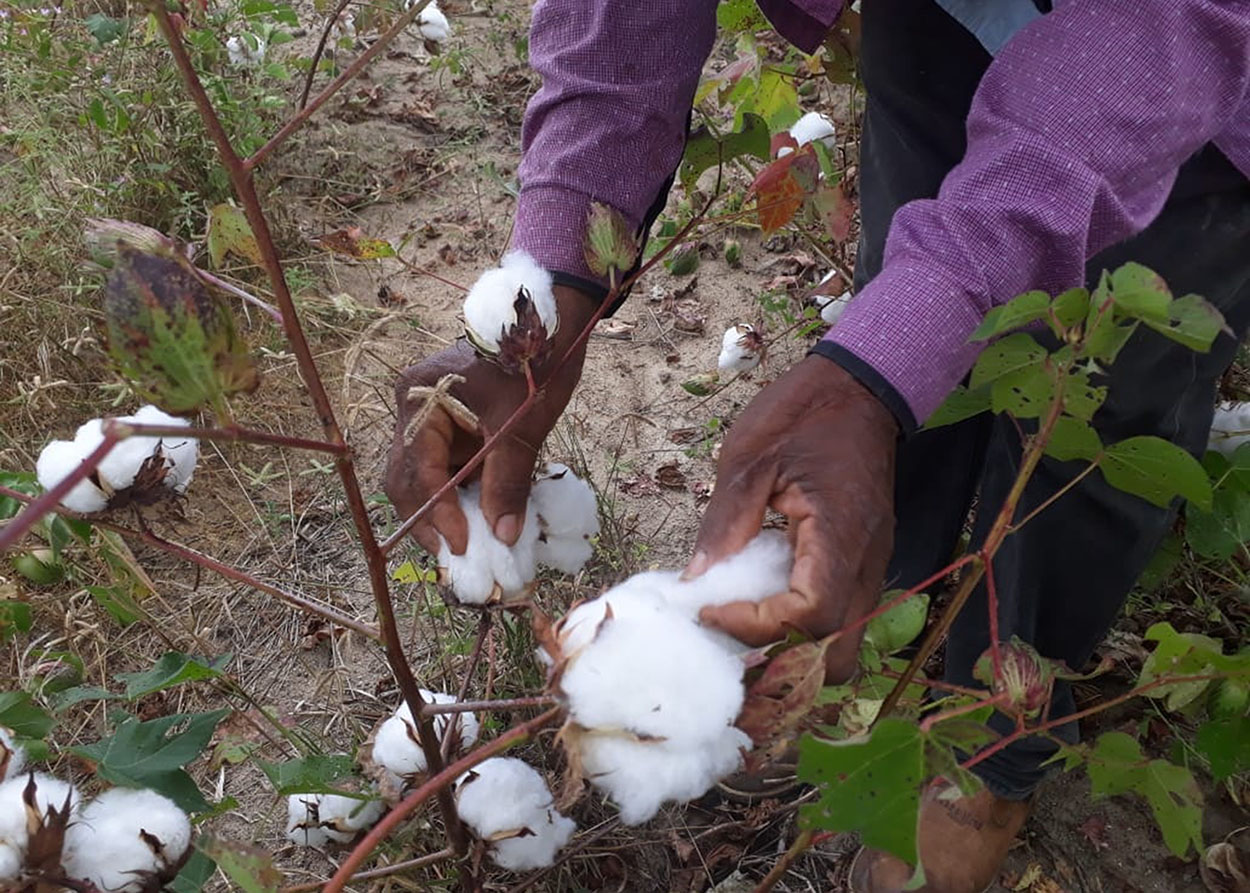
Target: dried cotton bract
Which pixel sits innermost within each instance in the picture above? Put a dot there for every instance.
(12, 756)
(507, 803)
(741, 349)
(395, 746)
(1230, 428)
(127, 841)
(489, 571)
(568, 516)
(29, 803)
(316, 819)
(510, 312)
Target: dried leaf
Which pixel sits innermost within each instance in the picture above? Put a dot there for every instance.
(353, 243)
(671, 476)
(779, 699)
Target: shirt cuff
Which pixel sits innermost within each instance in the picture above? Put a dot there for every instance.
(550, 225)
(910, 327)
(873, 382)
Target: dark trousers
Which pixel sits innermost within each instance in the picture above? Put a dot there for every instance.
(1063, 578)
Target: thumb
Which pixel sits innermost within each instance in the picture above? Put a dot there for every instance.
(733, 517)
(506, 478)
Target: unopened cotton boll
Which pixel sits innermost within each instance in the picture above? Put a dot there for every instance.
(831, 308)
(741, 349)
(1230, 428)
(56, 462)
(395, 746)
(489, 570)
(49, 794)
(492, 304)
(126, 839)
(315, 819)
(568, 516)
(506, 802)
(12, 755)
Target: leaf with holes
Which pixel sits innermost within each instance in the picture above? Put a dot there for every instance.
(1073, 439)
(1068, 309)
(782, 695)
(1010, 354)
(1080, 398)
(1139, 292)
(1023, 393)
(1117, 766)
(704, 151)
(870, 785)
(962, 403)
(1019, 311)
(1193, 322)
(1157, 471)
(230, 233)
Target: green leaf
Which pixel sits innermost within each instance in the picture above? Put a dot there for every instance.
(173, 668)
(1139, 292)
(250, 868)
(1220, 532)
(952, 741)
(1068, 309)
(1073, 439)
(1080, 398)
(959, 404)
(198, 871)
(868, 785)
(704, 151)
(1019, 311)
(80, 693)
(117, 603)
(22, 716)
(1117, 766)
(776, 99)
(104, 28)
(1179, 654)
(1011, 354)
(1024, 393)
(739, 15)
(315, 774)
(1156, 470)
(1105, 338)
(897, 627)
(15, 618)
(1226, 745)
(1192, 321)
(151, 754)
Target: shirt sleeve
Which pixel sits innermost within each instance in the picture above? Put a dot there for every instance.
(1075, 136)
(609, 123)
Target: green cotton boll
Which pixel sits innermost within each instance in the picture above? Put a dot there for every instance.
(40, 567)
(1229, 699)
(683, 260)
(101, 236)
(899, 626)
(171, 336)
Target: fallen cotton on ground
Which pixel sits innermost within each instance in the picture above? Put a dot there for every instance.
(317, 819)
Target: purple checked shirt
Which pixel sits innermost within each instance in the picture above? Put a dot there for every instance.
(1074, 139)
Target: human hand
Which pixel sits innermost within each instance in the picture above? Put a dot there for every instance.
(816, 446)
(443, 444)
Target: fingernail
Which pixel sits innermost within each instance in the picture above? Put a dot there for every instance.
(508, 528)
(697, 566)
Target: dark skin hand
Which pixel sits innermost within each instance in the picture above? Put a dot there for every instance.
(817, 447)
(442, 446)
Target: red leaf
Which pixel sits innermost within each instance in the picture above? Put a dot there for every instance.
(778, 195)
(781, 140)
(836, 210)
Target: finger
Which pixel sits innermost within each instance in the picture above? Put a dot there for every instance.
(431, 453)
(734, 515)
(764, 622)
(506, 477)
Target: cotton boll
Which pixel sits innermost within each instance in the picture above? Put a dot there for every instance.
(568, 516)
(56, 462)
(811, 127)
(489, 570)
(506, 801)
(49, 794)
(640, 776)
(831, 309)
(12, 755)
(395, 746)
(432, 24)
(314, 819)
(126, 838)
(741, 349)
(118, 469)
(345, 27)
(181, 453)
(490, 308)
(246, 51)
(639, 598)
(1230, 428)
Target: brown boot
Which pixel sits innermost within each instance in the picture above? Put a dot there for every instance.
(963, 843)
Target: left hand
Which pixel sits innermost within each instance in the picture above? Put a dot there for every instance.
(816, 446)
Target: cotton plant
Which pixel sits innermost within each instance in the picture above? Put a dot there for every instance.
(561, 520)
(314, 820)
(127, 840)
(1230, 428)
(142, 468)
(510, 313)
(507, 804)
(651, 694)
(742, 349)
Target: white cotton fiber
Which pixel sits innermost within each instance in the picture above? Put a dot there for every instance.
(181, 453)
(125, 838)
(56, 461)
(118, 469)
(489, 310)
(50, 793)
(12, 756)
(488, 569)
(812, 127)
(831, 308)
(761, 569)
(246, 50)
(640, 598)
(395, 746)
(315, 819)
(568, 517)
(506, 802)
(740, 351)
(640, 776)
(1230, 428)
(432, 24)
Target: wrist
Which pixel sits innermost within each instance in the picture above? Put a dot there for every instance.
(871, 381)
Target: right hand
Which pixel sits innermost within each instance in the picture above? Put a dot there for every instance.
(442, 445)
